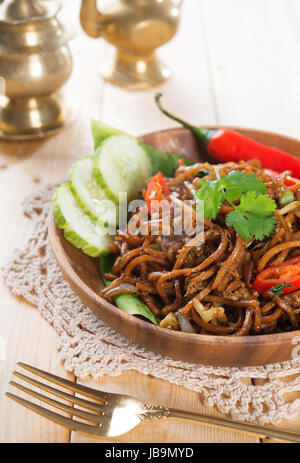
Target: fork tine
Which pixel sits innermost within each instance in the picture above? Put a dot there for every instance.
(89, 392)
(56, 417)
(63, 395)
(66, 408)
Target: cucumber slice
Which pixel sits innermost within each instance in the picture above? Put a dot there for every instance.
(121, 165)
(101, 132)
(129, 303)
(89, 195)
(79, 229)
(165, 163)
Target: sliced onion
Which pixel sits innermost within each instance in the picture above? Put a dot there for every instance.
(170, 321)
(208, 315)
(290, 207)
(184, 323)
(122, 288)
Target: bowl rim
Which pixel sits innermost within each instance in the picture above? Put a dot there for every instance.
(149, 328)
(74, 278)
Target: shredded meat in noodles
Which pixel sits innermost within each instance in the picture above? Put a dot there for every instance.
(210, 283)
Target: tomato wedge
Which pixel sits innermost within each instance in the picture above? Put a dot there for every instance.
(289, 181)
(287, 272)
(156, 190)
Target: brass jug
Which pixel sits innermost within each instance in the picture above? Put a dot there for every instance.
(35, 62)
(136, 28)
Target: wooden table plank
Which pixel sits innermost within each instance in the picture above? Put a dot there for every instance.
(28, 337)
(253, 46)
(23, 167)
(255, 86)
(156, 391)
(188, 92)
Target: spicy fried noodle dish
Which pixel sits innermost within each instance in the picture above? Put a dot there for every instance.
(243, 276)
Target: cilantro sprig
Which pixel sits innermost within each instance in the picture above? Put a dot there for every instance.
(253, 217)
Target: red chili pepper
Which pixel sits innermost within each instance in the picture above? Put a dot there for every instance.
(156, 189)
(287, 272)
(228, 145)
(288, 181)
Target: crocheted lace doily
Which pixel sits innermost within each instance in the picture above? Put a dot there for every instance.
(90, 347)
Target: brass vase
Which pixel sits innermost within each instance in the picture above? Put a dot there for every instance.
(136, 28)
(35, 62)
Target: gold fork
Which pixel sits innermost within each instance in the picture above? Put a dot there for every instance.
(112, 415)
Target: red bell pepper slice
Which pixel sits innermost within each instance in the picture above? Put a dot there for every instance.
(287, 272)
(289, 181)
(157, 188)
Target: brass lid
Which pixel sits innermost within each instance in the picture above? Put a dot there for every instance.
(21, 11)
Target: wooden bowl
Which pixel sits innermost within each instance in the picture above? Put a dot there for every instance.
(82, 273)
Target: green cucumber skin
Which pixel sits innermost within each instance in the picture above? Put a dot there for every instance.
(77, 197)
(101, 132)
(81, 204)
(101, 182)
(72, 236)
(165, 163)
(58, 216)
(106, 264)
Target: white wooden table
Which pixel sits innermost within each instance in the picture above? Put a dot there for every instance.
(234, 62)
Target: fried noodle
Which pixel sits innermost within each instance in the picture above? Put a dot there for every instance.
(210, 284)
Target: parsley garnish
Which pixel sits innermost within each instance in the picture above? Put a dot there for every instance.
(278, 289)
(253, 217)
(213, 196)
(237, 183)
